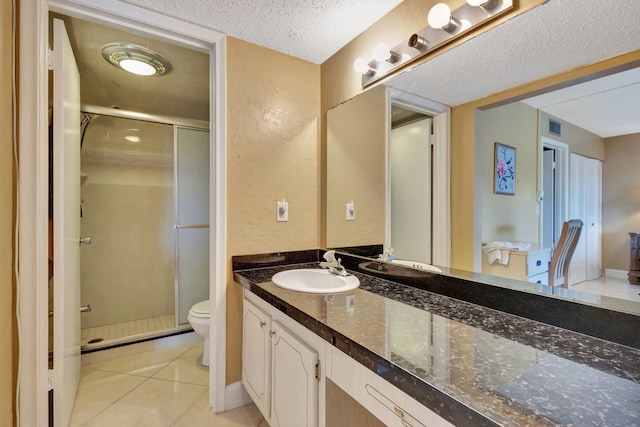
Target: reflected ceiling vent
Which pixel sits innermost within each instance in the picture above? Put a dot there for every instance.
(555, 128)
(135, 59)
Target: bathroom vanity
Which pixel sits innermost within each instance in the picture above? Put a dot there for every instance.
(413, 357)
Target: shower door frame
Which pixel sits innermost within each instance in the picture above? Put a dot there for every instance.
(32, 125)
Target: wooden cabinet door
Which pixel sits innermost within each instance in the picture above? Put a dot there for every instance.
(256, 356)
(295, 385)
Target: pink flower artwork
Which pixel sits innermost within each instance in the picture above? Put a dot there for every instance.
(505, 169)
(501, 168)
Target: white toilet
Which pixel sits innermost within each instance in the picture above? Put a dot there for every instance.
(199, 320)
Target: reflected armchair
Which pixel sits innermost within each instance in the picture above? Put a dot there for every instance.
(559, 268)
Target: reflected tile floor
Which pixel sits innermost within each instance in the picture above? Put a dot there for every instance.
(165, 387)
(610, 286)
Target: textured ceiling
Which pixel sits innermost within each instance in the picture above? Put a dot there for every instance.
(184, 92)
(549, 39)
(309, 29)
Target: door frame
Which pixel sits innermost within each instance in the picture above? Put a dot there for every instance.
(562, 182)
(32, 184)
(441, 181)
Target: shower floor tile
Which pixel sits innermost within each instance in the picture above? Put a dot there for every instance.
(126, 329)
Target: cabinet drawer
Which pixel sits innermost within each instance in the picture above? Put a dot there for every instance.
(540, 279)
(537, 262)
(386, 402)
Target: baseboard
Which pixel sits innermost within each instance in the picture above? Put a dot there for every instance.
(236, 396)
(617, 274)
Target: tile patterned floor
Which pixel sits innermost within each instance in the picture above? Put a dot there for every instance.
(166, 387)
(610, 286)
(125, 329)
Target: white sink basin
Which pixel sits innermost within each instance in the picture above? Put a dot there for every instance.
(314, 281)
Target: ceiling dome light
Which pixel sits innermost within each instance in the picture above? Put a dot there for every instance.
(135, 59)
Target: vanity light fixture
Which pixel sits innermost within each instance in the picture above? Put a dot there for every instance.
(440, 17)
(418, 42)
(382, 52)
(362, 66)
(487, 5)
(135, 59)
(444, 26)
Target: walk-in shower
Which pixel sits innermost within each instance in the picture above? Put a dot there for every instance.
(145, 208)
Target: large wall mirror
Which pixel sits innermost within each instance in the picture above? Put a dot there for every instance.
(576, 144)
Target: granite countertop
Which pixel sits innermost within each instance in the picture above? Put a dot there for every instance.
(470, 364)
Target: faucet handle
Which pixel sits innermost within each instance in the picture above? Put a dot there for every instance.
(329, 256)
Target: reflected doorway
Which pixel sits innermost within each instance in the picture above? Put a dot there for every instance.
(554, 194)
(410, 184)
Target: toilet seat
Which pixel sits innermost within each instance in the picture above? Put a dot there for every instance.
(200, 310)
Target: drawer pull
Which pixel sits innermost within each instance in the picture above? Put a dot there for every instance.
(406, 419)
(538, 263)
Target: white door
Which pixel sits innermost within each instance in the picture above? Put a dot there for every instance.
(410, 188)
(585, 203)
(66, 225)
(294, 396)
(593, 224)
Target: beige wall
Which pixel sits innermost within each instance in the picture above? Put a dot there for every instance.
(620, 199)
(580, 141)
(504, 217)
(340, 82)
(463, 123)
(356, 153)
(273, 128)
(9, 347)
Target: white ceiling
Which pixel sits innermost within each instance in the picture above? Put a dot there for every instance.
(609, 106)
(308, 29)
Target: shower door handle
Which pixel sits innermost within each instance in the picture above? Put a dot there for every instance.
(85, 240)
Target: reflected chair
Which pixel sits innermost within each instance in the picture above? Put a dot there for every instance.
(559, 268)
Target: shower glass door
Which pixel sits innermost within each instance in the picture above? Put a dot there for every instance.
(192, 219)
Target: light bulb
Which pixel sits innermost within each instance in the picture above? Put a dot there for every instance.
(381, 52)
(485, 4)
(362, 66)
(439, 16)
(137, 67)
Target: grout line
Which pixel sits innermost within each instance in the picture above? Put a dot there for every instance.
(206, 390)
(114, 402)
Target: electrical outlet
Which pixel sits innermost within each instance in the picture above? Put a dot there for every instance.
(351, 211)
(282, 211)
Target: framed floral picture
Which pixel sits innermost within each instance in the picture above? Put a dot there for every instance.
(504, 176)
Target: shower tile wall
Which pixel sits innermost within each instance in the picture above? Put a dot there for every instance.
(127, 273)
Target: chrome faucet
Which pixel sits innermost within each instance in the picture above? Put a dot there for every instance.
(332, 264)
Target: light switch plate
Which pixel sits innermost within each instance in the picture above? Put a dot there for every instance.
(351, 211)
(282, 211)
